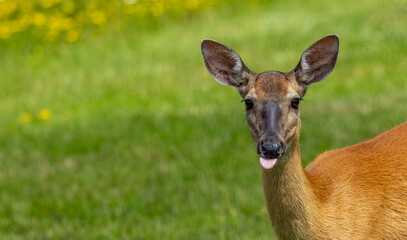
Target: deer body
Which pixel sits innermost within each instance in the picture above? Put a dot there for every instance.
(358, 192)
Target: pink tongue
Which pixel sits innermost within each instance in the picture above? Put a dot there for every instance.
(267, 163)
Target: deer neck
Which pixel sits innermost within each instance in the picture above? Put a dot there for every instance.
(290, 200)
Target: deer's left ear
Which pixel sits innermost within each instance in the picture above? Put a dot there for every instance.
(318, 61)
(224, 64)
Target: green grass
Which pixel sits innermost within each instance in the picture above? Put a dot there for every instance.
(144, 144)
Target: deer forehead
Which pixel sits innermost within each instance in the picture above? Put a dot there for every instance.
(273, 86)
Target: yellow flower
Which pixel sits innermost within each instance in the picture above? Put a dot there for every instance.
(55, 23)
(72, 35)
(5, 31)
(7, 8)
(98, 17)
(45, 114)
(49, 3)
(25, 117)
(39, 19)
(54, 20)
(26, 7)
(69, 7)
(67, 23)
(157, 9)
(192, 4)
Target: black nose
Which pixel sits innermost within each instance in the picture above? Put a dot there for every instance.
(271, 150)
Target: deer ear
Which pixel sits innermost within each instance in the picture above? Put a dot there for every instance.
(318, 61)
(224, 64)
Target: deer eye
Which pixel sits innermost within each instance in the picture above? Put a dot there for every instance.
(295, 103)
(248, 103)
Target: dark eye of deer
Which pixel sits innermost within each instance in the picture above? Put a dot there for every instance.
(295, 103)
(249, 104)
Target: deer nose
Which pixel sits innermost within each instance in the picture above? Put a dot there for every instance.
(271, 150)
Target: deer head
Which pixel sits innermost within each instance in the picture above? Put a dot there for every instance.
(272, 98)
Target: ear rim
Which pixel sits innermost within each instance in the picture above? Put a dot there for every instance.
(302, 67)
(239, 69)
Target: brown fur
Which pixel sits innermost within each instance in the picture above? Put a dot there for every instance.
(270, 86)
(362, 189)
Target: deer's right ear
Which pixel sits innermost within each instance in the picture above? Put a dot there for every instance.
(224, 64)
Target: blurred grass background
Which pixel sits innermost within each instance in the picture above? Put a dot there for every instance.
(111, 128)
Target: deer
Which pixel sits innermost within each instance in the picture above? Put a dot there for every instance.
(356, 192)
